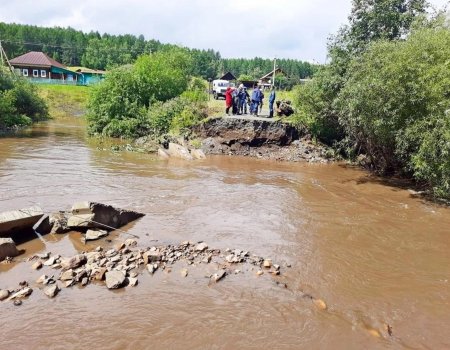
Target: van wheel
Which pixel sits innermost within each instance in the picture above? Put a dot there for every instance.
(215, 96)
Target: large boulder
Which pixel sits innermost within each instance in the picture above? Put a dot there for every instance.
(7, 248)
(178, 151)
(102, 216)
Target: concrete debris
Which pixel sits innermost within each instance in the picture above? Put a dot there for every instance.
(121, 267)
(43, 226)
(58, 221)
(101, 216)
(19, 220)
(7, 248)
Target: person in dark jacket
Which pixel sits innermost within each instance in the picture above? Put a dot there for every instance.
(256, 99)
(235, 96)
(272, 98)
(228, 100)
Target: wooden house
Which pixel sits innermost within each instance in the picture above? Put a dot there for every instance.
(266, 80)
(88, 76)
(38, 67)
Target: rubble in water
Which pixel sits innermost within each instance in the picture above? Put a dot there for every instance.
(119, 267)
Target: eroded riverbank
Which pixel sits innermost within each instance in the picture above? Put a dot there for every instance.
(373, 252)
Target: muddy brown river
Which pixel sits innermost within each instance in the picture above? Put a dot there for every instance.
(375, 253)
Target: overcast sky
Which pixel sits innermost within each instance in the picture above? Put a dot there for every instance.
(237, 28)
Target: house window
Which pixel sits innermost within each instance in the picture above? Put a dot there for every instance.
(25, 72)
(35, 73)
(43, 74)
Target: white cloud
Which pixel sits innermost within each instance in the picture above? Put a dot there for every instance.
(237, 28)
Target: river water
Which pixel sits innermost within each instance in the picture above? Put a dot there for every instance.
(371, 250)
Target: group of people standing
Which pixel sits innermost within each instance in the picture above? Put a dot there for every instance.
(238, 99)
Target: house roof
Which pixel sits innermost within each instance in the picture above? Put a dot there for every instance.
(270, 74)
(35, 58)
(228, 76)
(86, 70)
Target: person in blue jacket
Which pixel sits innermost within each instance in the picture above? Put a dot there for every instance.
(272, 97)
(256, 99)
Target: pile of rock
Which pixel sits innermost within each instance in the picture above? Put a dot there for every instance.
(120, 266)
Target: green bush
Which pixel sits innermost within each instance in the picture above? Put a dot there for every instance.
(119, 106)
(20, 104)
(395, 105)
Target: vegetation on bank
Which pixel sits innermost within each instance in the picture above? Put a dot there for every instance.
(386, 93)
(152, 97)
(20, 104)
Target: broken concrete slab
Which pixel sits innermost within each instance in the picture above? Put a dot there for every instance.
(8, 248)
(43, 226)
(19, 220)
(98, 215)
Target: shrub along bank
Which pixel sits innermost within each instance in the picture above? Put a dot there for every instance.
(388, 99)
(152, 97)
(20, 105)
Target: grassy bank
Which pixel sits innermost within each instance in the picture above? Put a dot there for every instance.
(64, 100)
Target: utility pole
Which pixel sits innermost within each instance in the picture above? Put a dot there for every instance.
(4, 59)
(274, 69)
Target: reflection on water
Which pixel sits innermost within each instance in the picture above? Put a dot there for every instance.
(374, 253)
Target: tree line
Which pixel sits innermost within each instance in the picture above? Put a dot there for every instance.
(104, 51)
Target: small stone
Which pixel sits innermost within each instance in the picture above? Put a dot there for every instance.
(99, 249)
(100, 274)
(120, 246)
(92, 235)
(76, 261)
(66, 275)
(237, 272)
(17, 302)
(114, 279)
(37, 265)
(260, 273)
(133, 274)
(131, 242)
(218, 276)
(288, 265)
(276, 267)
(69, 283)
(267, 263)
(184, 272)
(320, 304)
(4, 294)
(21, 293)
(207, 259)
(44, 256)
(201, 247)
(84, 281)
(51, 291)
(50, 261)
(132, 281)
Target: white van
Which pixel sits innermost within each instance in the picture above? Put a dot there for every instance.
(219, 87)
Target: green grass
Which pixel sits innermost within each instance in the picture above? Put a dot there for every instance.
(65, 100)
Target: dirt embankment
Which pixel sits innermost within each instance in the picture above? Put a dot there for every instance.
(259, 138)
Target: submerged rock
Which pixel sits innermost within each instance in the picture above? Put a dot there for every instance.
(178, 151)
(37, 265)
(92, 235)
(22, 293)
